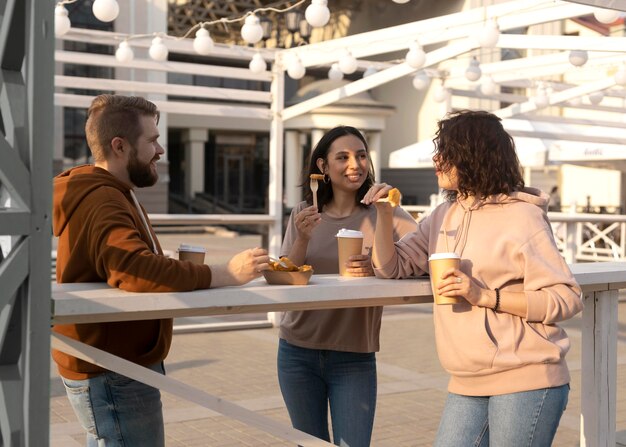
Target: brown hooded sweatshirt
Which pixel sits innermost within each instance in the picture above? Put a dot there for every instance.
(105, 237)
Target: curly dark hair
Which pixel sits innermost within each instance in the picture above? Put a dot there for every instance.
(483, 153)
(325, 190)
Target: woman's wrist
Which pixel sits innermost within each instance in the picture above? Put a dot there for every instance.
(488, 299)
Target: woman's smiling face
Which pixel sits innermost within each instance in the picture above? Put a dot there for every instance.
(347, 163)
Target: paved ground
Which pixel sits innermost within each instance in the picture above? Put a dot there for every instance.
(240, 366)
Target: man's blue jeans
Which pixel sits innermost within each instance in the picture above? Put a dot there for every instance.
(525, 419)
(117, 411)
(311, 379)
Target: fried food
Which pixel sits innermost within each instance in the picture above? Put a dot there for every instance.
(394, 197)
(316, 177)
(284, 264)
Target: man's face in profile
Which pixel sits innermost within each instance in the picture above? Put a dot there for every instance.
(145, 153)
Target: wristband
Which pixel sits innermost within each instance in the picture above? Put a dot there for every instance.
(497, 305)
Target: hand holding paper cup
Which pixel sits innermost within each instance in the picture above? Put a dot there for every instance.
(439, 263)
(191, 253)
(349, 243)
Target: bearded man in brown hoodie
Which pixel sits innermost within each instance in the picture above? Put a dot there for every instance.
(105, 235)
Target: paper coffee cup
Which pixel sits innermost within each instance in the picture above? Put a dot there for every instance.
(439, 263)
(191, 253)
(349, 243)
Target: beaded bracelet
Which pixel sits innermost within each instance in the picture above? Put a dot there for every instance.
(497, 305)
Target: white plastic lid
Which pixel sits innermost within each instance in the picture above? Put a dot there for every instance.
(349, 233)
(192, 248)
(443, 256)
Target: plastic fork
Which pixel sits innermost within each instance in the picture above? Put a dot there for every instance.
(313, 184)
(279, 262)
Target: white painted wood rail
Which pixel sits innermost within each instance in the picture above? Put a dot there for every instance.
(96, 302)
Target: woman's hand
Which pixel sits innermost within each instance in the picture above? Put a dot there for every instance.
(306, 220)
(377, 191)
(455, 283)
(359, 266)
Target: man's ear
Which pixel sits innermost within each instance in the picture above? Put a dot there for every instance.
(118, 147)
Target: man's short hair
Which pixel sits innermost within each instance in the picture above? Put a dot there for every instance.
(111, 116)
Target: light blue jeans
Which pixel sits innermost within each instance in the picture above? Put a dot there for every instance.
(311, 379)
(116, 411)
(525, 419)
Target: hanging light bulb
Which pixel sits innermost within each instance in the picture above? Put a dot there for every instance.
(574, 102)
(578, 58)
(347, 63)
(62, 22)
(604, 15)
(203, 44)
(596, 98)
(442, 94)
(421, 80)
(257, 64)
(488, 87)
(295, 69)
(415, 57)
(541, 99)
(124, 52)
(105, 10)
(335, 73)
(620, 75)
(158, 50)
(317, 13)
(489, 35)
(473, 71)
(369, 72)
(251, 31)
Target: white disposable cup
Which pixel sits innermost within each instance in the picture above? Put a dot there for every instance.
(439, 263)
(349, 243)
(191, 253)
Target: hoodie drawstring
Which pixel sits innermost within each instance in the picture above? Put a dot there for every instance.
(145, 222)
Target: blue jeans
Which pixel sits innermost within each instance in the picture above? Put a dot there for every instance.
(525, 419)
(311, 379)
(117, 411)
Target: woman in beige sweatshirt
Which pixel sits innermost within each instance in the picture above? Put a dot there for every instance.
(502, 344)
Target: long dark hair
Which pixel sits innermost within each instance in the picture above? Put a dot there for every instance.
(325, 190)
(476, 144)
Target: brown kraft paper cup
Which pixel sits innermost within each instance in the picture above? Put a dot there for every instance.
(348, 246)
(439, 263)
(193, 254)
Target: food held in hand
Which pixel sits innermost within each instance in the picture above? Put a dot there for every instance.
(284, 264)
(317, 177)
(394, 197)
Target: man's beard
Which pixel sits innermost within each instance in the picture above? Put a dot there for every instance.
(140, 175)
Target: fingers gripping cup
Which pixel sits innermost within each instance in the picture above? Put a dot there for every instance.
(191, 253)
(439, 263)
(349, 243)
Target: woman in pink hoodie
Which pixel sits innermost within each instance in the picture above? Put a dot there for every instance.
(502, 344)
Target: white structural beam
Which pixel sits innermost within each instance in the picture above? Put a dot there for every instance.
(275, 191)
(543, 42)
(556, 98)
(193, 91)
(382, 77)
(189, 108)
(611, 4)
(103, 60)
(510, 15)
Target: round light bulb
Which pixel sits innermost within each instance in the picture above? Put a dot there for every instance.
(202, 43)
(251, 31)
(575, 101)
(105, 10)
(317, 13)
(335, 73)
(158, 50)
(541, 98)
(442, 94)
(124, 52)
(578, 58)
(369, 72)
(620, 75)
(348, 63)
(596, 98)
(415, 56)
(488, 87)
(489, 35)
(607, 16)
(257, 64)
(473, 71)
(295, 69)
(421, 80)
(62, 22)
